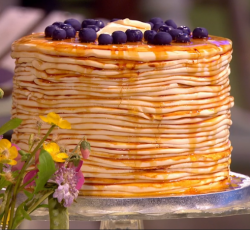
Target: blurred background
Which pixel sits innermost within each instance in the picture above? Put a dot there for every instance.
(225, 18)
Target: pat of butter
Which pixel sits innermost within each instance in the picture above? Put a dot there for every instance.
(123, 25)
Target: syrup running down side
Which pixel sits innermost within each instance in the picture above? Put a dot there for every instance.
(157, 117)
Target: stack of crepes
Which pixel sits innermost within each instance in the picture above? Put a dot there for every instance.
(157, 117)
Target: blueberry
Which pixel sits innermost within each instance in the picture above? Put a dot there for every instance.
(162, 38)
(65, 26)
(74, 23)
(151, 24)
(87, 35)
(174, 33)
(146, 33)
(184, 29)
(70, 32)
(156, 20)
(182, 37)
(134, 35)
(165, 28)
(99, 23)
(149, 36)
(58, 23)
(200, 32)
(49, 30)
(105, 39)
(59, 34)
(115, 19)
(157, 25)
(87, 22)
(94, 27)
(94, 22)
(119, 37)
(171, 23)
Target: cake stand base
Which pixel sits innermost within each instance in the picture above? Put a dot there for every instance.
(128, 213)
(121, 224)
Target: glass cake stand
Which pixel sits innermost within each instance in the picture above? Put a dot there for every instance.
(129, 213)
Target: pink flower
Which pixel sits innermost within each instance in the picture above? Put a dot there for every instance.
(60, 192)
(80, 179)
(1, 137)
(85, 149)
(79, 176)
(31, 174)
(68, 199)
(70, 181)
(85, 153)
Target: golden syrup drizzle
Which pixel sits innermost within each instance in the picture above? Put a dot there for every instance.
(197, 48)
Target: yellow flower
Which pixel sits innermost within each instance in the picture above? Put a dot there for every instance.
(54, 150)
(7, 152)
(1, 93)
(55, 119)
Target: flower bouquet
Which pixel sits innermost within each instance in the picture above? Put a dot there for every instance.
(45, 172)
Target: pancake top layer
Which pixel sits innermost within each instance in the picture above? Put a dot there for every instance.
(134, 51)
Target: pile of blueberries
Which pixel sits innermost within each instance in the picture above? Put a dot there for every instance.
(161, 33)
(68, 29)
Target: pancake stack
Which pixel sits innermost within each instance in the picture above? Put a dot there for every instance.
(157, 117)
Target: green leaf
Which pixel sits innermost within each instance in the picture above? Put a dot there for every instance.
(25, 156)
(23, 153)
(46, 169)
(25, 214)
(19, 215)
(28, 194)
(50, 185)
(12, 124)
(76, 162)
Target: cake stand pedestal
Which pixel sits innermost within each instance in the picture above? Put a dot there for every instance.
(129, 213)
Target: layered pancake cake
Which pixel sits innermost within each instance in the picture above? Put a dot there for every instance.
(157, 116)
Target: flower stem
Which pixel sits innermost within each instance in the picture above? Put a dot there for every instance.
(4, 202)
(6, 210)
(32, 205)
(20, 177)
(59, 216)
(28, 182)
(41, 142)
(73, 152)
